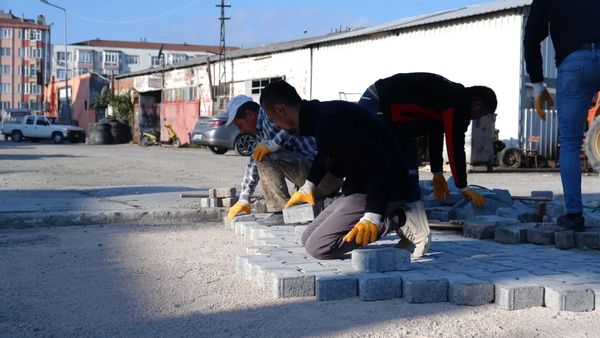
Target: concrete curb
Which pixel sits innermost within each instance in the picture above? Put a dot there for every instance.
(33, 220)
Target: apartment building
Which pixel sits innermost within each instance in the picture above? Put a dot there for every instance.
(110, 57)
(24, 66)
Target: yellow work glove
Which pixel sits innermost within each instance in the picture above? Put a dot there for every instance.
(239, 207)
(303, 195)
(440, 187)
(263, 149)
(541, 96)
(472, 195)
(366, 230)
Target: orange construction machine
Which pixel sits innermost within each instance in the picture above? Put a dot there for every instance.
(592, 138)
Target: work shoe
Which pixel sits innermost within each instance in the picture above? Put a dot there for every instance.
(573, 222)
(416, 229)
(275, 218)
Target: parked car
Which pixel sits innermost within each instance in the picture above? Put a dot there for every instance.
(37, 128)
(211, 131)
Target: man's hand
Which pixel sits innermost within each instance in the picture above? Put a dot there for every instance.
(541, 96)
(366, 230)
(440, 187)
(260, 151)
(303, 195)
(239, 207)
(472, 195)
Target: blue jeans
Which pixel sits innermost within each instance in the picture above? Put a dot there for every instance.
(577, 81)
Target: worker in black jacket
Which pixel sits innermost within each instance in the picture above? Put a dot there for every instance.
(573, 27)
(425, 104)
(355, 145)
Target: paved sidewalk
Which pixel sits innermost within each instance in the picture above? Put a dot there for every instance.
(30, 208)
(457, 269)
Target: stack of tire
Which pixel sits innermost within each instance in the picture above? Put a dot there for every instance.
(109, 131)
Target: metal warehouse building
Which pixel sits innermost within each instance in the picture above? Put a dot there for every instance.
(475, 45)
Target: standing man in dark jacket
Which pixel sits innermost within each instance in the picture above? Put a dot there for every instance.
(353, 144)
(425, 104)
(573, 27)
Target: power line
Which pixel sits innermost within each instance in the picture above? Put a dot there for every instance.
(119, 22)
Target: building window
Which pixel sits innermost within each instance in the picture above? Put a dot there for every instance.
(259, 84)
(19, 34)
(4, 105)
(6, 33)
(111, 58)
(5, 51)
(155, 61)
(85, 56)
(178, 58)
(5, 88)
(33, 34)
(6, 70)
(133, 59)
(61, 74)
(60, 57)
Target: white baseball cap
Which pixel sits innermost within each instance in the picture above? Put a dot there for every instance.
(234, 105)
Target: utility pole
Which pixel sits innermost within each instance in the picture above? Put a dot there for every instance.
(222, 56)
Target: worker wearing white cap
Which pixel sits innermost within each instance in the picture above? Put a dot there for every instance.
(278, 156)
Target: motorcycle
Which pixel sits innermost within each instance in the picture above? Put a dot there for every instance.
(152, 137)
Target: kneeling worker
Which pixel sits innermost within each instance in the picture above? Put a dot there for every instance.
(353, 144)
(278, 156)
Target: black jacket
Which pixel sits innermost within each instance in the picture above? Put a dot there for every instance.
(425, 104)
(571, 23)
(354, 144)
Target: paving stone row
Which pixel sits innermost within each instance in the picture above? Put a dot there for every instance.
(460, 270)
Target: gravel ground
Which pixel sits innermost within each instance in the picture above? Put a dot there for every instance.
(179, 279)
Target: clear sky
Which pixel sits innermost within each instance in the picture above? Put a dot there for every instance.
(252, 23)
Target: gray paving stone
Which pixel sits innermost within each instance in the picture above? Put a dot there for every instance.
(380, 260)
(569, 298)
(298, 231)
(332, 287)
(417, 289)
(515, 234)
(587, 240)
(479, 230)
(470, 291)
(439, 213)
(564, 239)
(208, 202)
(379, 286)
(543, 235)
(518, 295)
(228, 202)
(301, 213)
(543, 193)
(222, 192)
(261, 272)
(287, 284)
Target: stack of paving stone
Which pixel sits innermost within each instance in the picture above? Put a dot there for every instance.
(219, 197)
(512, 221)
(459, 270)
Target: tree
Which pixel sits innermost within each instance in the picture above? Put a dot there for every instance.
(121, 104)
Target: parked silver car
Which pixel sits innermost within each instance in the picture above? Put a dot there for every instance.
(211, 131)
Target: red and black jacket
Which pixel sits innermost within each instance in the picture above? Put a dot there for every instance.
(425, 104)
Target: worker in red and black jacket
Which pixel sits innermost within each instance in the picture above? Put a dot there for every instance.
(425, 104)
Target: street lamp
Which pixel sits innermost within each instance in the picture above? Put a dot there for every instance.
(68, 111)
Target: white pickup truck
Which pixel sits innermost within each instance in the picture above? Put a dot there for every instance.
(37, 128)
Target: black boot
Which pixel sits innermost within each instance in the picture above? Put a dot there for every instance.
(573, 222)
